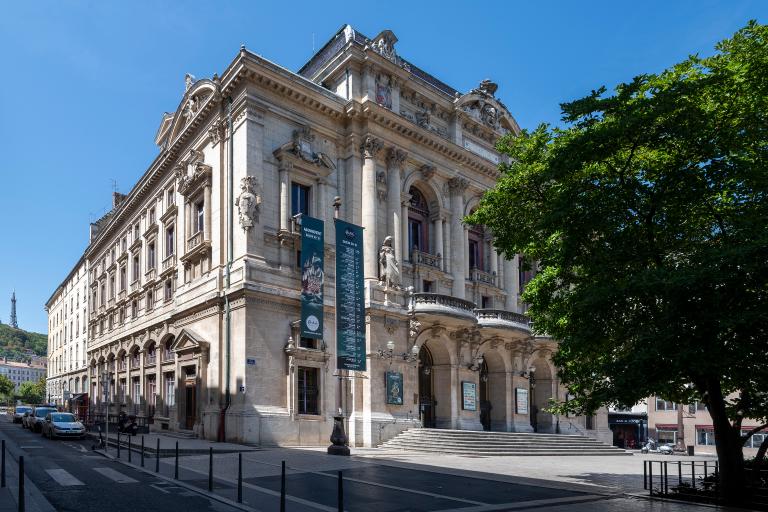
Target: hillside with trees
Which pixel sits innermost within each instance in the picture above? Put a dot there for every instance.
(20, 345)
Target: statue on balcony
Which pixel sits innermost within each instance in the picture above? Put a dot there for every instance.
(389, 270)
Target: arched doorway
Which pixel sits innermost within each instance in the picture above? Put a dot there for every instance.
(426, 389)
(485, 397)
(541, 392)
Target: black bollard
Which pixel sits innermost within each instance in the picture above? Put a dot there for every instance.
(239, 477)
(341, 493)
(645, 474)
(176, 467)
(282, 488)
(210, 469)
(157, 457)
(118, 444)
(142, 451)
(21, 483)
(2, 466)
(129, 447)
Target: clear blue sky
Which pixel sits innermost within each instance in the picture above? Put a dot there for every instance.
(85, 83)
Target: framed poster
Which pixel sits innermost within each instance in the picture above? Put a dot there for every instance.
(394, 388)
(521, 401)
(312, 277)
(469, 396)
(350, 298)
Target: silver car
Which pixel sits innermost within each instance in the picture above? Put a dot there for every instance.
(62, 424)
(18, 412)
(34, 421)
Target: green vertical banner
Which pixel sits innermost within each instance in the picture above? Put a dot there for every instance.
(312, 277)
(350, 298)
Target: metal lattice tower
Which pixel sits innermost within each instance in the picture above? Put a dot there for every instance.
(14, 322)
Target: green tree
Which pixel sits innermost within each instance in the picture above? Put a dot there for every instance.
(6, 386)
(647, 217)
(32, 392)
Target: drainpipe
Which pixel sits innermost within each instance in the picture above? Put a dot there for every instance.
(227, 312)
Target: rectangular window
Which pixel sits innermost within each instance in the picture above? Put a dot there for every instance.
(705, 437)
(485, 302)
(135, 268)
(666, 437)
(199, 216)
(124, 243)
(474, 254)
(170, 390)
(103, 294)
(426, 286)
(134, 308)
(299, 199)
(111, 287)
(135, 231)
(307, 342)
(664, 405)
(122, 279)
(136, 391)
(169, 239)
(415, 238)
(756, 440)
(150, 300)
(308, 390)
(151, 256)
(170, 197)
(168, 289)
(152, 216)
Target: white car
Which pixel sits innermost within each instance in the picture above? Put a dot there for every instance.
(62, 424)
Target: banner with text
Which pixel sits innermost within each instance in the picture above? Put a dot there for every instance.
(350, 298)
(312, 277)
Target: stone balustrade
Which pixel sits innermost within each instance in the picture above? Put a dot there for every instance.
(481, 276)
(425, 258)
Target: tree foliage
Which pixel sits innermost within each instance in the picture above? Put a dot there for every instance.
(6, 386)
(32, 392)
(648, 218)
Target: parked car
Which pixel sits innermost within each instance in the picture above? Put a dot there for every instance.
(36, 418)
(62, 424)
(18, 413)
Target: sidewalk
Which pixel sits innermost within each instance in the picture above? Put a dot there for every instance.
(187, 446)
(33, 499)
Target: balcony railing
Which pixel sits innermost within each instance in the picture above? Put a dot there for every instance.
(151, 359)
(435, 303)
(195, 240)
(151, 274)
(121, 365)
(135, 286)
(169, 262)
(168, 355)
(481, 276)
(504, 316)
(425, 258)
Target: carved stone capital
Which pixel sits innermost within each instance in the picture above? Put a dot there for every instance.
(396, 157)
(457, 185)
(371, 146)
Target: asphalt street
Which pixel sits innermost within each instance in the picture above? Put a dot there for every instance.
(73, 478)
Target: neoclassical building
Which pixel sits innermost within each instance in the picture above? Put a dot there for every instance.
(67, 336)
(194, 280)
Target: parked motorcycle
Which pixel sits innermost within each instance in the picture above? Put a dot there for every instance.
(127, 424)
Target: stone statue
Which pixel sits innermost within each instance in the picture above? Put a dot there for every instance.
(489, 115)
(389, 271)
(248, 203)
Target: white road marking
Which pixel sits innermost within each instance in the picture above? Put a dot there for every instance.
(115, 476)
(63, 477)
(30, 447)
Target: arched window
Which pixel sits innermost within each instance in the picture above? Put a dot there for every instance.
(418, 222)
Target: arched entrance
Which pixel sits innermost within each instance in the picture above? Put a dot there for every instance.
(485, 397)
(426, 389)
(541, 392)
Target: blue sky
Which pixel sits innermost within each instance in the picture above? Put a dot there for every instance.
(86, 82)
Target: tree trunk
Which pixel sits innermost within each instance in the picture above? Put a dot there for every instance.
(728, 444)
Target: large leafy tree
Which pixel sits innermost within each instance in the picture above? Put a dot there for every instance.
(6, 386)
(32, 392)
(647, 215)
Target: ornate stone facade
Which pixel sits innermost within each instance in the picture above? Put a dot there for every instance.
(201, 332)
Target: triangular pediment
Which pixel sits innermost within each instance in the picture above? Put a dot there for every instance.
(189, 341)
(196, 99)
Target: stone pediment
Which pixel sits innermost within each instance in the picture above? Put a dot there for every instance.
(481, 106)
(189, 341)
(198, 97)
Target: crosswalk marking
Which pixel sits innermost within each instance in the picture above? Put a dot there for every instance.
(63, 477)
(115, 476)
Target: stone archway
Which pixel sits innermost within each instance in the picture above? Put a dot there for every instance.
(494, 373)
(437, 375)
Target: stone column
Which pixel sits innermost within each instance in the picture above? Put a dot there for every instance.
(405, 199)
(438, 230)
(457, 186)
(395, 161)
(510, 284)
(370, 148)
(322, 204)
(208, 209)
(494, 263)
(285, 197)
(448, 247)
(465, 235)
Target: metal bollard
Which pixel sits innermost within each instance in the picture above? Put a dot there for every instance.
(282, 488)
(650, 477)
(176, 467)
(157, 457)
(645, 474)
(2, 466)
(21, 483)
(679, 472)
(118, 444)
(341, 493)
(210, 469)
(129, 447)
(666, 478)
(239, 477)
(693, 474)
(142, 451)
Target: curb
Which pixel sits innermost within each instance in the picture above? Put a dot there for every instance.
(181, 483)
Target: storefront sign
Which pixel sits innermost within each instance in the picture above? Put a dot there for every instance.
(521, 401)
(394, 388)
(350, 298)
(312, 277)
(469, 395)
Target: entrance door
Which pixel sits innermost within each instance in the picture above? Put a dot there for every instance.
(426, 395)
(485, 399)
(191, 405)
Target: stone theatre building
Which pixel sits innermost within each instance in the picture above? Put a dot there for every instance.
(194, 281)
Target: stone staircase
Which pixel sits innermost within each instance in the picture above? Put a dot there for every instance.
(470, 442)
